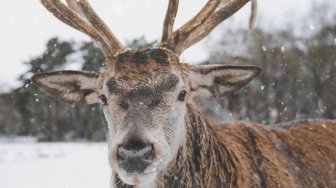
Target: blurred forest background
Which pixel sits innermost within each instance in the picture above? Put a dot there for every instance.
(298, 82)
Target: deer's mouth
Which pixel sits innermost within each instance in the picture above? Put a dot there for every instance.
(138, 178)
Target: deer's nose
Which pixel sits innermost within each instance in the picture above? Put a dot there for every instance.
(135, 157)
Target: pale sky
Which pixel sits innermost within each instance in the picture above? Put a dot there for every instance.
(25, 26)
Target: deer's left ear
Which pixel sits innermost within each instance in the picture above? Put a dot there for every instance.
(219, 80)
(74, 87)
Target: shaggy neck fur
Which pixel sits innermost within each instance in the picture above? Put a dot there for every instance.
(201, 163)
(244, 154)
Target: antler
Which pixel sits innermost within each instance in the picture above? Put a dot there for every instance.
(167, 36)
(80, 15)
(200, 25)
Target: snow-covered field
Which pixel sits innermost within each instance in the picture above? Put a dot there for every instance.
(54, 165)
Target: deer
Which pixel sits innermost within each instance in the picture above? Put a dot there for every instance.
(157, 135)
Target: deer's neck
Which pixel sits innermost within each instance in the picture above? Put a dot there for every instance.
(203, 161)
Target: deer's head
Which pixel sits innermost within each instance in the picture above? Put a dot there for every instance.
(144, 92)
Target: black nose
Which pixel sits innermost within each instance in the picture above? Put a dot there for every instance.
(135, 156)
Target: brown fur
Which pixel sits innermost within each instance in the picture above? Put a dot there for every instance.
(237, 154)
(243, 154)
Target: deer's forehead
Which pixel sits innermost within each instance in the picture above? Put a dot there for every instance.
(143, 65)
(144, 61)
(147, 86)
(145, 56)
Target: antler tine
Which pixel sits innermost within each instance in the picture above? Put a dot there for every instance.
(68, 16)
(58, 14)
(98, 23)
(167, 35)
(203, 23)
(254, 7)
(201, 16)
(74, 16)
(199, 32)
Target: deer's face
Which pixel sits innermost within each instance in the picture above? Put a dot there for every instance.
(144, 102)
(144, 97)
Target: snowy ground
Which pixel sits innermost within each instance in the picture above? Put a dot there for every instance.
(53, 165)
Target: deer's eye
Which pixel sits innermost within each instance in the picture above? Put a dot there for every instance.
(103, 99)
(182, 95)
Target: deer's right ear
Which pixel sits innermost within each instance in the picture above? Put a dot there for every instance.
(74, 87)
